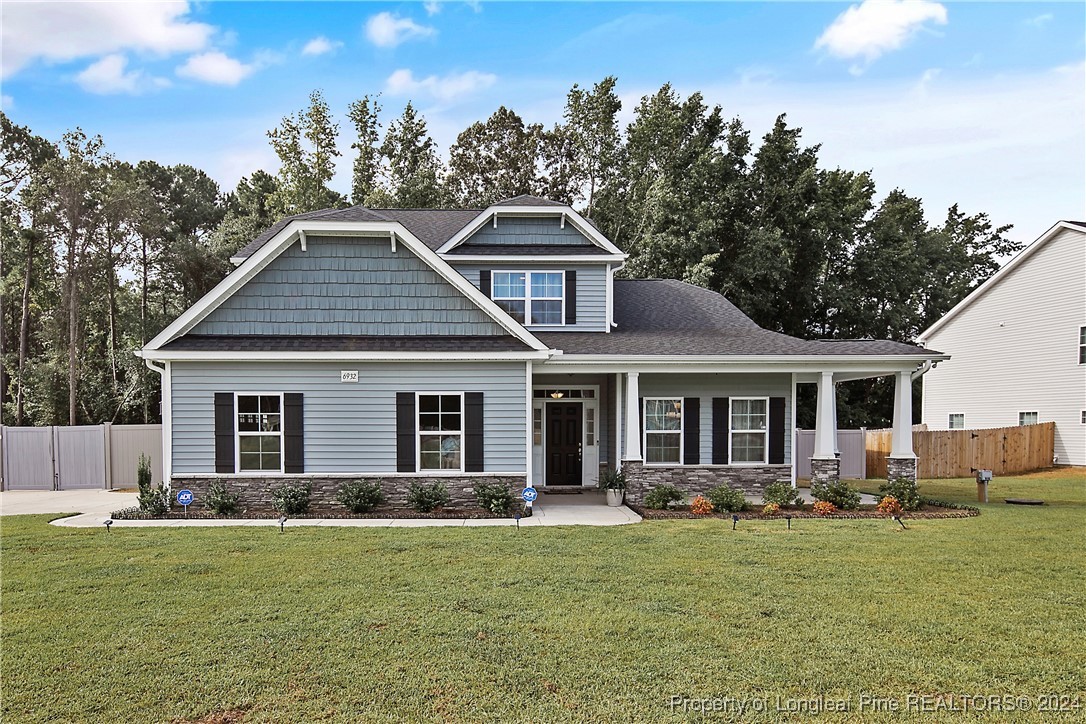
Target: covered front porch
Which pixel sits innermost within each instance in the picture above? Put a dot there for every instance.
(694, 427)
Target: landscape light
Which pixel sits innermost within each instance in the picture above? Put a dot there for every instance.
(108, 522)
(789, 519)
(516, 517)
(735, 519)
(282, 521)
(900, 522)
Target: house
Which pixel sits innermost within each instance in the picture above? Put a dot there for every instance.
(1019, 347)
(491, 345)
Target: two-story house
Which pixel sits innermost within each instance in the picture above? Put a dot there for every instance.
(486, 345)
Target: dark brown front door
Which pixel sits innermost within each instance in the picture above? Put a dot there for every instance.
(564, 443)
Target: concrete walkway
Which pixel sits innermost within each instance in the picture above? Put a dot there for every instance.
(96, 505)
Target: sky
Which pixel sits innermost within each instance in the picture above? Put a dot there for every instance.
(979, 104)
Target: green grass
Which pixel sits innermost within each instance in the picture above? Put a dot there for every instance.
(473, 624)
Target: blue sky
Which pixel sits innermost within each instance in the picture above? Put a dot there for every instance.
(976, 103)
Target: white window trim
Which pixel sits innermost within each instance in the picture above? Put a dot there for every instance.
(950, 421)
(1081, 344)
(419, 433)
(732, 432)
(238, 434)
(645, 432)
(527, 298)
(1082, 417)
(1035, 413)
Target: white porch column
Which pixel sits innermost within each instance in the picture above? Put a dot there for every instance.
(901, 443)
(825, 440)
(836, 440)
(618, 422)
(633, 424)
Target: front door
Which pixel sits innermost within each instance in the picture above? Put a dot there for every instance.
(564, 434)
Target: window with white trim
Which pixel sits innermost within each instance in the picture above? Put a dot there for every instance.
(663, 430)
(1082, 345)
(1084, 417)
(260, 433)
(749, 429)
(533, 298)
(1027, 418)
(956, 421)
(440, 431)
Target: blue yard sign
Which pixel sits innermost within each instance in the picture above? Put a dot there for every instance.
(529, 495)
(184, 497)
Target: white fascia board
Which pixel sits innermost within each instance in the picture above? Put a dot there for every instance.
(1009, 267)
(299, 356)
(578, 221)
(869, 366)
(278, 243)
(534, 258)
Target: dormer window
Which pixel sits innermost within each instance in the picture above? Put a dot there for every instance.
(533, 298)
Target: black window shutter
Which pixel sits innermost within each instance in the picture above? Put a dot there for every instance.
(405, 432)
(473, 432)
(293, 433)
(776, 430)
(224, 432)
(571, 297)
(692, 430)
(484, 282)
(641, 420)
(721, 423)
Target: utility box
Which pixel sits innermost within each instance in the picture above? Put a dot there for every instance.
(983, 478)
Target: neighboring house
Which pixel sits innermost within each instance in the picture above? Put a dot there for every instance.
(485, 345)
(1018, 343)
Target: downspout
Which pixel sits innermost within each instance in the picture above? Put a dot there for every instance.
(611, 297)
(923, 369)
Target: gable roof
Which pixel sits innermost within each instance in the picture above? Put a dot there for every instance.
(670, 318)
(527, 200)
(1006, 271)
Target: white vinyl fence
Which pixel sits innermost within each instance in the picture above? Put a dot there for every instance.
(82, 456)
(851, 443)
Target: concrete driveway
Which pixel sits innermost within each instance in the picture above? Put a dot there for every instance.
(98, 502)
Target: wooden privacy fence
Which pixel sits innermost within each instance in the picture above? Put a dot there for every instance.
(960, 453)
(83, 456)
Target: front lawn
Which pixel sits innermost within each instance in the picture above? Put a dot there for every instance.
(544, 624)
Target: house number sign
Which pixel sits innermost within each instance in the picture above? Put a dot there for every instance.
(348, 376)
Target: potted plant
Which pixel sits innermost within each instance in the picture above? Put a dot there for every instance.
(613, 483)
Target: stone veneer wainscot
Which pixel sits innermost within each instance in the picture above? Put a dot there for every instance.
(699, 479)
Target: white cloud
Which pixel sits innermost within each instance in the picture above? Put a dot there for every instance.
(110, 75)
(216, 68)
(432, 8)
(876, 27)
(1041, 20)
(6, 102)
(320, 45)
(59, 32)
(445, 88)
(386, 30)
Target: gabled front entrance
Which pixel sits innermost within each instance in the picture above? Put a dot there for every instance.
(565, 432)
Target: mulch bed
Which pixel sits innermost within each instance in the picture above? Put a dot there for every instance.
(926, 511)
(318, 513)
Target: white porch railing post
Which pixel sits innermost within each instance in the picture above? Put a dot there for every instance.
(633, 424)
(901, 442)
(825, 441)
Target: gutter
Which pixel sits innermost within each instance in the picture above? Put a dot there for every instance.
(923, 369)
(611, 297)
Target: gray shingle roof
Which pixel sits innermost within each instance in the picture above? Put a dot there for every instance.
(238, 343)
(528, 200)
(672, 318)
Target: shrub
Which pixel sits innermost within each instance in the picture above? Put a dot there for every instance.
(613, 480)
(889, 506)
(727, 499)
(781, 493)
(425, 498)
(291, 499)
(771, 509)
(220, 500)
(838, 492)
(663, 497)
(701, 506)
(360, 496)
(904, 490)
(824, 507)
(153, 499)
(494, 497)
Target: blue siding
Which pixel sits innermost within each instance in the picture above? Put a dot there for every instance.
(529, 230)
(349, 427)
(348, 286)
(591, 289)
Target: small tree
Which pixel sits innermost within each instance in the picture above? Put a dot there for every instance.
(153, 500)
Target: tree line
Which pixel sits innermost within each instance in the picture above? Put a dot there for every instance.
(98, 255)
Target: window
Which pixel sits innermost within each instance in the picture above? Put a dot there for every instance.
(574, 394)
(663, 430)
(440, 431)
(534, 298)
(1082, 345)
(537, 426)
(957, 421)
(749, 429)
(590, 426)
(1084, 417)
(260, 433)
(1027, 418)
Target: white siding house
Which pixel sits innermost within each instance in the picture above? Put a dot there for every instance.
(1018, 347)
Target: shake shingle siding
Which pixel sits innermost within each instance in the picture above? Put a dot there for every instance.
(348, 287)
(546, 231)
(349, 427)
